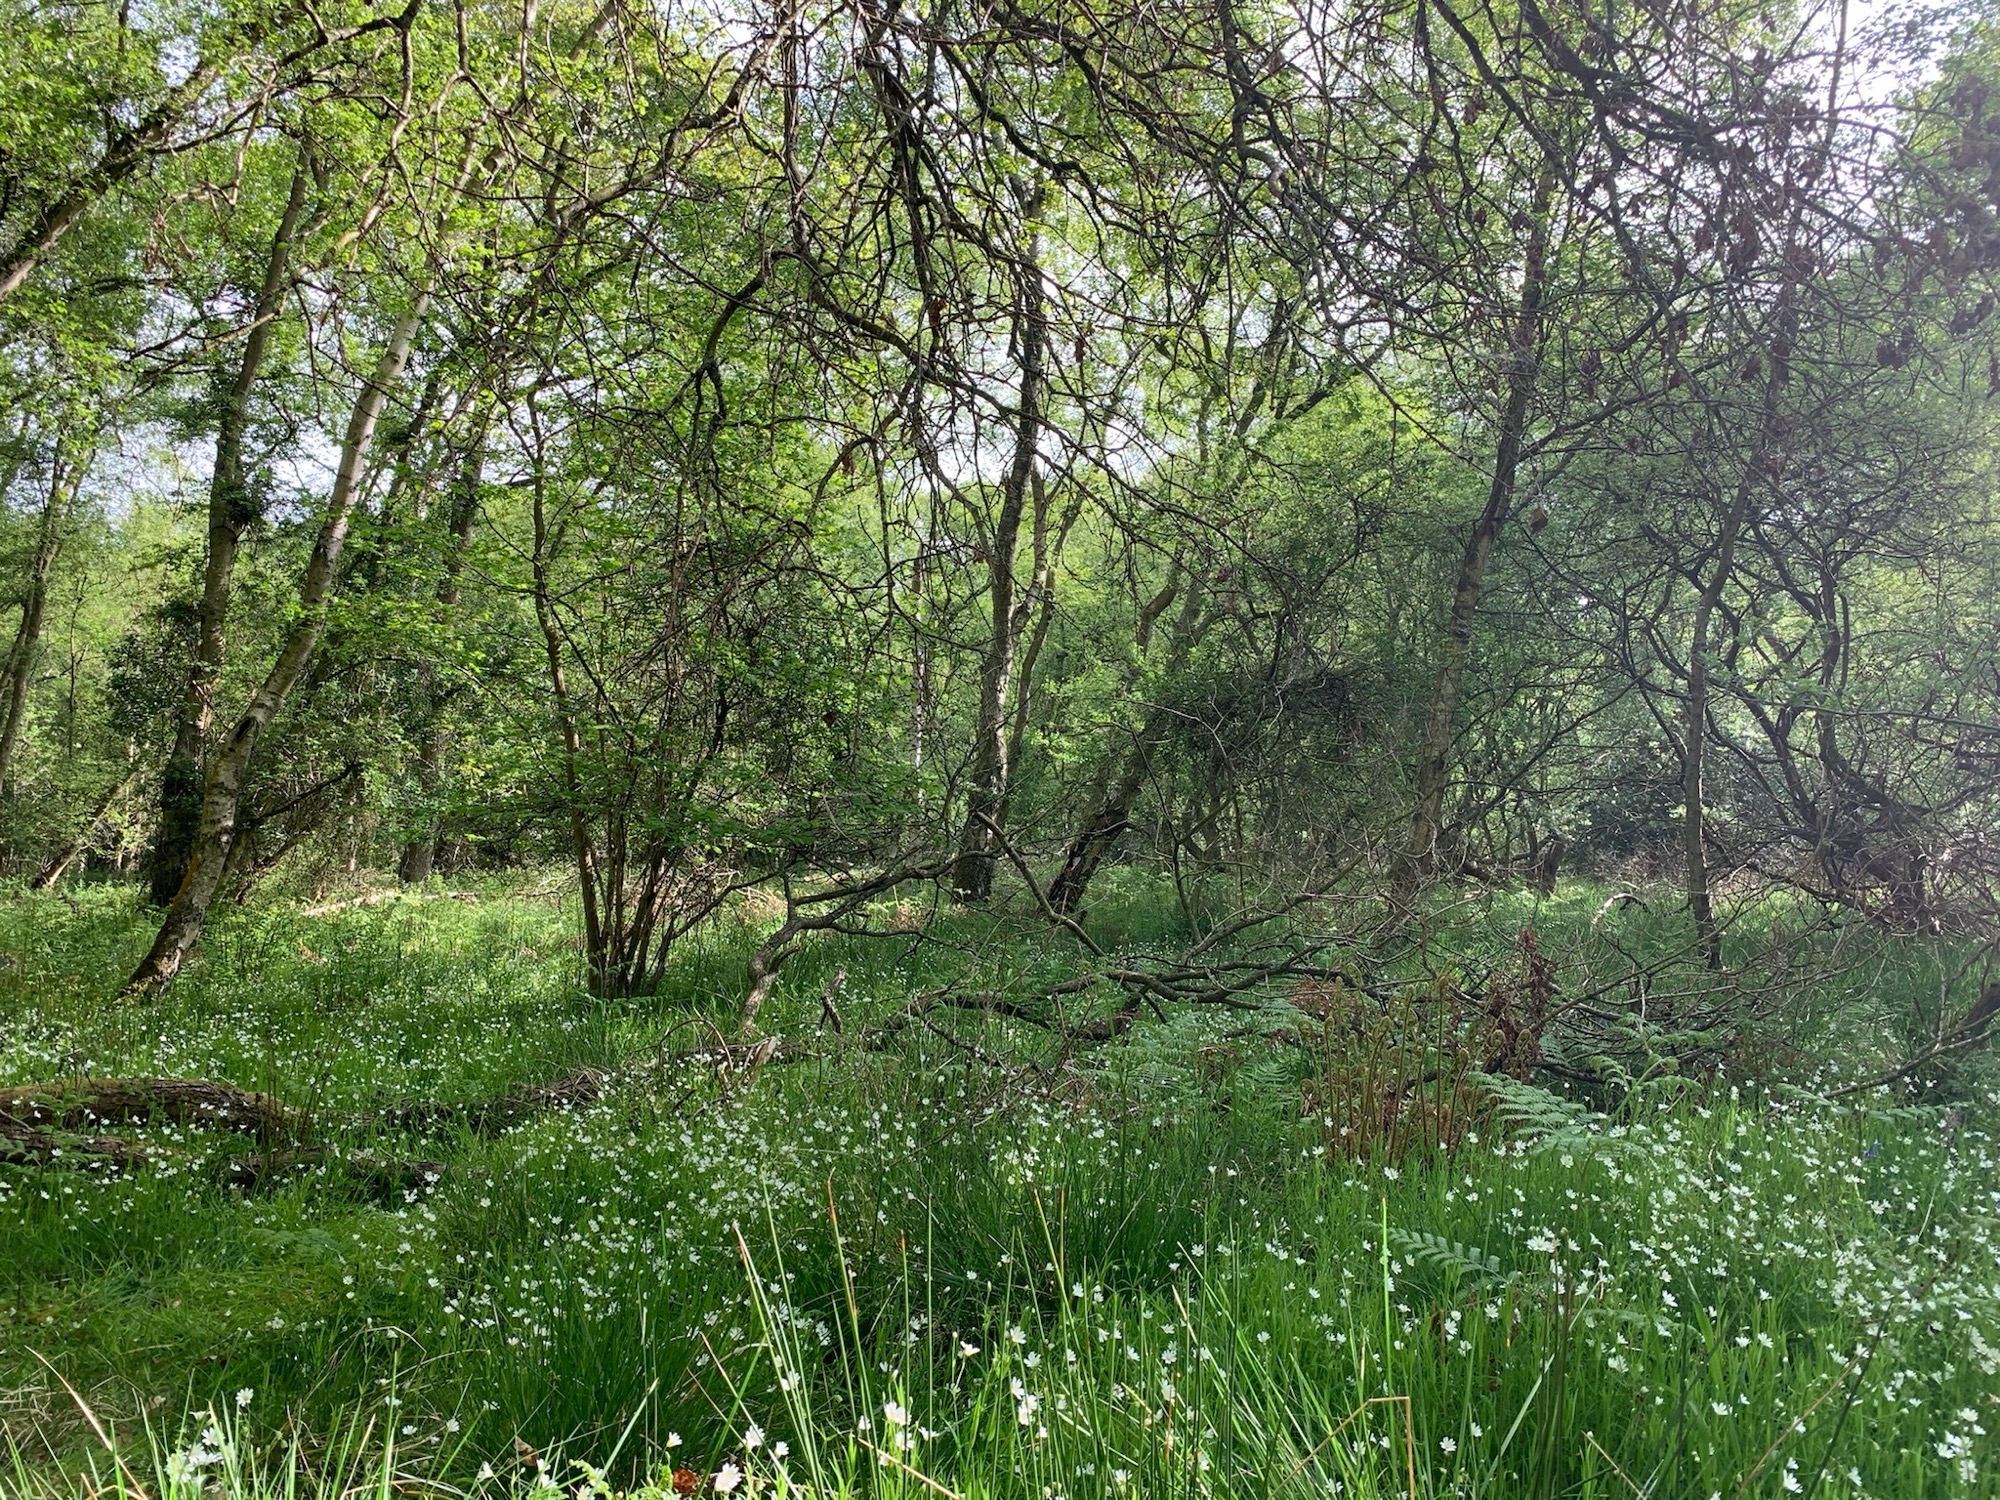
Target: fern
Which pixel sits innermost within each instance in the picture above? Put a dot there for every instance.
(1535, 1112)
(1273, 1073)
(1433, 1252)
(1547, 1122)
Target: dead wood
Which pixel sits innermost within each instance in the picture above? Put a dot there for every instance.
(366, 1169)
(44, 1124)
(195, 1102)
(382, 897)
(1973, 1029)
(23, 1144)
(489, 1117)
(819, 911)
(525, 1100)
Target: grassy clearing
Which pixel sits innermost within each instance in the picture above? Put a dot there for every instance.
(905, 1273)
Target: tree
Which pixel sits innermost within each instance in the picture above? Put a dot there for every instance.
(232, 508)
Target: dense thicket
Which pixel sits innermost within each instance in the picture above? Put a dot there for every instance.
(839, 443)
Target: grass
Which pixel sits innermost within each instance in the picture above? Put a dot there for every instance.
(1152, 1272)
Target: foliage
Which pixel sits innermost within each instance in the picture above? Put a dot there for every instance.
(1048, 749)
(1118, 1284)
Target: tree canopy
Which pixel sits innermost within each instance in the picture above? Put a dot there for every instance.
(826, 446)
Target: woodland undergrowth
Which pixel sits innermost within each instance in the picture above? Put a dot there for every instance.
(1387, 1234)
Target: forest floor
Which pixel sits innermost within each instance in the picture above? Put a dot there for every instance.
(490, 1235)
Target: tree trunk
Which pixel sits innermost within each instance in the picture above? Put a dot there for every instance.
(1764, 463)
(231, 511)
(419, 855)
(223, 790)
(124, 154)
(1420, 856)
(1099, 835)
(1112, 813)
(1546, 865)
(63, 487)
(583, 846)
(972, 872)
(128, 152)
(64, 857)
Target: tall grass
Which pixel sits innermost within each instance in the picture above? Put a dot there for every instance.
(1146, 1275)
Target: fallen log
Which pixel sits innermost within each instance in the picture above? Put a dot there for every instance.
(53, 1125)
(23, 1144)
(488, 1117)
(367, 1169)
(380, 898)
(197, 1102)
(1973, 1030)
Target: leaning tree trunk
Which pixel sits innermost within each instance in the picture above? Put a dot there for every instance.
(126, 153)
(223, 792)
(1100, 832)
(231, 510)
(1419, 856)
(63, 487)
(1034, 613)
(58, 863)
(1765, 464)
(1116, 792)
(130, 151)
(978, 842)
(1694, 737)
(583, 846)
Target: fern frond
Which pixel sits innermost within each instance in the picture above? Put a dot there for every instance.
(1547, 1122)
(1434, 1252)
(1532, 1111)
